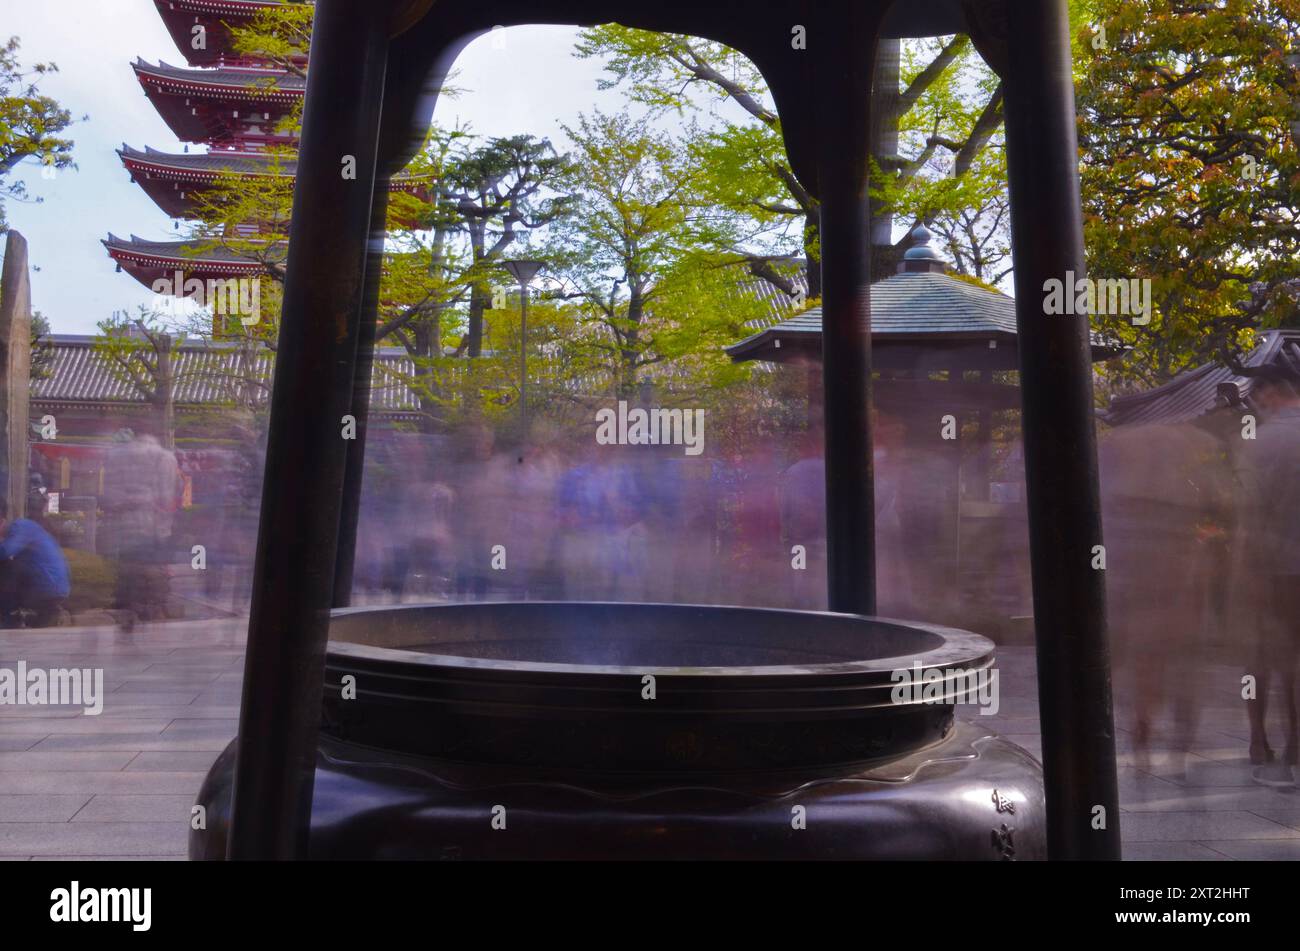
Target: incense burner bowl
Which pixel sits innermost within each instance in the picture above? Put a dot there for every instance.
(548, 730)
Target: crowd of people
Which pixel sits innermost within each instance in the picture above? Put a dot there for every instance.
(1203, 574)
(1202, 541)
(583, 521)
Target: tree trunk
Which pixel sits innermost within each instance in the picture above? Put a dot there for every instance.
(428, 346)
(165, 395)
(811, 251)
(478, 300)
(884, 146)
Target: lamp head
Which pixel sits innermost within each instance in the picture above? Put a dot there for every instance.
(523, 271)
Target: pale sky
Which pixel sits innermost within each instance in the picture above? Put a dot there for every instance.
(540, 86)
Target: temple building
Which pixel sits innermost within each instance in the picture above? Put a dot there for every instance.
(945, 389)
(239, 108)
(234, 105)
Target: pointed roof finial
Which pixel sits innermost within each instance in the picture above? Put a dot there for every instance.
(921, 256)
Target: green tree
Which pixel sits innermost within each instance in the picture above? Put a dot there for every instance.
(947, 114)
(139, 351)
(640, 258)
(42, 349)
(1190, 174)
(499, 191)
(31, 124)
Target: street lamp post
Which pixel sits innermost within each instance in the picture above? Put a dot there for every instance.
(523, 271)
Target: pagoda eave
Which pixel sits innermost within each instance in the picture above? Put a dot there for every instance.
(181, 16)
(173, 184)
(214, 122)
(148, 266)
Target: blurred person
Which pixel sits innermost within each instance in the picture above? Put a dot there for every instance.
(1159, 489)
(894, 587)
(1267, 581)
(533, 519)
(692, 543)
(34, 577)
(756, 558)
(38, 496)
(231, 557)
(480, 516)
(141, 494)
(802, 489)
(585, 500)
(411, 547)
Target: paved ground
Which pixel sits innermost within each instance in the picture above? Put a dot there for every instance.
(120, 785)
(117, 785)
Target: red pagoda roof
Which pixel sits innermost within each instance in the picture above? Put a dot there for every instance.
(148, 261)
(227, 105)
(181, 16)
(171, 179)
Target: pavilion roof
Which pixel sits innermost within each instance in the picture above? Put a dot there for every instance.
(913, 307)
(1195, 393)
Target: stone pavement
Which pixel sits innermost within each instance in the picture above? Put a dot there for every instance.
(120, 785)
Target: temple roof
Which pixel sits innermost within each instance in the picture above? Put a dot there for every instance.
(203, 370)
(251, 82)
(913, 308)
(205, 166)
(197, 166)
(170, 178)
(180, 16)
(228, 105)
(186, 251)
(1193, 394)
(148, 261)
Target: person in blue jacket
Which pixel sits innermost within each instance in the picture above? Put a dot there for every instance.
(33, 572)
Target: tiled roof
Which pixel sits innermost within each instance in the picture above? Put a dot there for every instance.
(270, 80)
(918, 306)
(206, 165)
(186, 251)
(210, 163)
(226, 7)
(1194, 393)
(203, 371)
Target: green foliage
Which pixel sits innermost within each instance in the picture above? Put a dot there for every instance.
(1190, 173)
(951, 173)
(278, 34)
(31, 124)
(42, 349)
(642, 258)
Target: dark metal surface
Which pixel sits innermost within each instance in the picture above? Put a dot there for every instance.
(974, 796)
(1060, 439)
(846, 65)
(564, 685)
(306, 454)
